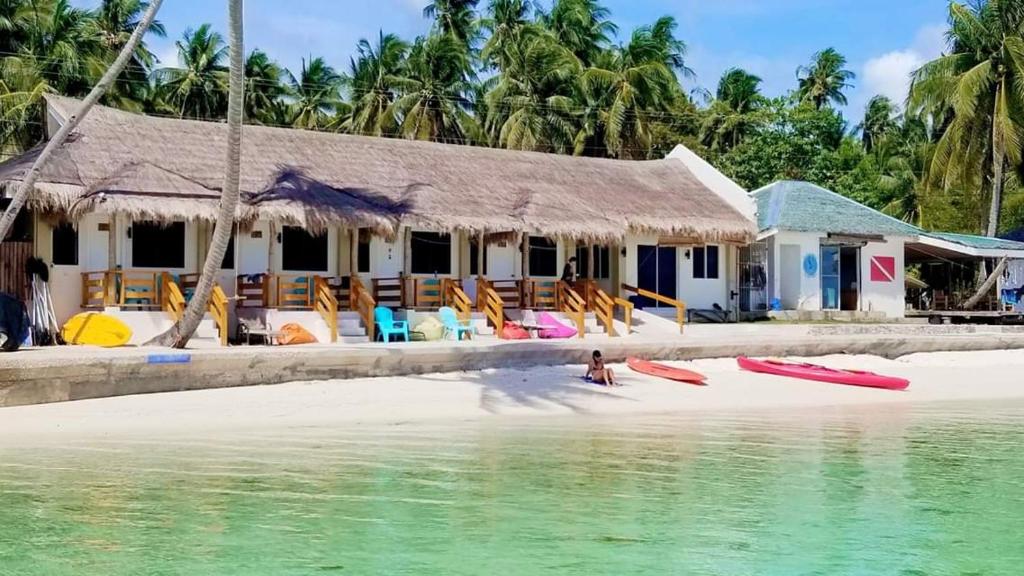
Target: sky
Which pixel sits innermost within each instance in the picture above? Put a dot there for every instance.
(884, 40)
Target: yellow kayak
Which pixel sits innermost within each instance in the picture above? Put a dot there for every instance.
(95, 329)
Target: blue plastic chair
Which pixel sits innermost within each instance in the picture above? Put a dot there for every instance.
(388, 326)
(453, 326)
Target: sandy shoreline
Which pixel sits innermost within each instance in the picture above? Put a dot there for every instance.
(951, 376)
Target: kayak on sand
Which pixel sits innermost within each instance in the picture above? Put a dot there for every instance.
(666, 372)
(823, 374)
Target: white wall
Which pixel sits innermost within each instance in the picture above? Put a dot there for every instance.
(253, 248)
(884, 297)
(696, 293)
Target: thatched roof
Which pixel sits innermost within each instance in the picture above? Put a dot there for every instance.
(317, 179)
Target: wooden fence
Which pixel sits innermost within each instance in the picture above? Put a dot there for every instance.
(13, 280)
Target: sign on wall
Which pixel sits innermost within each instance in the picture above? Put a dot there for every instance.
(883, 269)
(811, 265)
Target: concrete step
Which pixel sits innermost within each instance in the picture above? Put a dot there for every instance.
(357, 339)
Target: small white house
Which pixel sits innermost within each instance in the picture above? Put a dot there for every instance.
(827, 256)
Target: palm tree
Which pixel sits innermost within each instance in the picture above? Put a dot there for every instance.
(179, 334)
(434, 104)
(263, 89)
(976, 91)
(632, 85)
(531, 105)
(582, 26)
(197, 88)
(114, 21)
(730, 117)
(879, 121)
(373, 84)
(94, 96)
(454, 17)
(14, 24)
(506, 23)
(823, 81)
(315, 94)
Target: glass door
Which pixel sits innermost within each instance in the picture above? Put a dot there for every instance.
(753, 263)
(830, 277)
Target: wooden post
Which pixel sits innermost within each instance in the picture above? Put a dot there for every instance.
(523, 289)
(480, 247)
(353, 256)
(112, 242)
(590, 262)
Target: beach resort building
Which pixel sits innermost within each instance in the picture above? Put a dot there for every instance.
(332, 226)
(821, 255)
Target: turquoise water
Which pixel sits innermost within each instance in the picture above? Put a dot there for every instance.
(930, 491)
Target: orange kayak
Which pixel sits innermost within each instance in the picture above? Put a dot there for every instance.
(666, 372)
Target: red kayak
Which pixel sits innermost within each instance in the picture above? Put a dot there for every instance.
(666, 372)
(823, 374)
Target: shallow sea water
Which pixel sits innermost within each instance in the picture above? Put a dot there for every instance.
(930, 491)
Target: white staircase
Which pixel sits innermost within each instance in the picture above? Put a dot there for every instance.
(148, 324)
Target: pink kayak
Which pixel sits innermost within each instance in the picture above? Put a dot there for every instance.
(823, 374)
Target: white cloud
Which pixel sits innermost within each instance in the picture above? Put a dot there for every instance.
(889, 74)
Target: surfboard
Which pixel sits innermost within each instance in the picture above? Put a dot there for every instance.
(666, 372)
(95, 329)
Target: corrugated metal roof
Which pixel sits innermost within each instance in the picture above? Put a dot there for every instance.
(804, 207)
(979, 242)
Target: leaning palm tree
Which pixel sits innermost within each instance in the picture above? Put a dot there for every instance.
(72, 122)
(114, 21)
(315, 95)
(197, 87)
(373, 84)
(976, 90)
(879, 121)
(434, 104)
(179, 334)
(825, 79)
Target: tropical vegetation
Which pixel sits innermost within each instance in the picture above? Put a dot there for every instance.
(561, 76)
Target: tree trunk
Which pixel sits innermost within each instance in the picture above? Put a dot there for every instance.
(987, 285)
(72, 122)
(998, 163)
(179, 334)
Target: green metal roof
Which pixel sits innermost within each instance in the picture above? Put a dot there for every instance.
(804, 207)
(978, 242)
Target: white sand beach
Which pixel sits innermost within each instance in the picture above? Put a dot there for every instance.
(543, 391)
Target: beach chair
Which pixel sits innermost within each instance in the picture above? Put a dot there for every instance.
(387, 326)
(453, 326)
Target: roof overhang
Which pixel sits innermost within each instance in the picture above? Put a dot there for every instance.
(953, 250)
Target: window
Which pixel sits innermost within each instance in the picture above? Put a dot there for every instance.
(303, 252)
(431, 253)
(229, 257)
(543, 257)
(474, 253)
(157, 245)
(65, 245)
(363, 252)
(602, 262)
(705, 262)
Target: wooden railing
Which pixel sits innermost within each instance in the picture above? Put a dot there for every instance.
(599, 303)
(678, 305)
(138, 289)
(97, 289)
(490, 303)
(572, 305)
(543, 294)
(294, 292)
(627, 313)
(389, 292)
(428, 293)
(456, 298)
(253, 291)
(172, 301)
(509, 291)
(364, 304)
(326, 304)
(219, 310)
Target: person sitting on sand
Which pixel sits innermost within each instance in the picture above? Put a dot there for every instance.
(597, 372)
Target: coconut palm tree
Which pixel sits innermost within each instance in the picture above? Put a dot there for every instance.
(506, 22)
(531, 105)
(455, 17)
(94, 96)
(632, 85)
(825, 79)
(434, 104)
(197, 87)
(581, 26)
(263, 89)
(880, 119)
(114, 21)
(730, 117)
(315, 94)
(976, 91)
(179, 334)
(373, 83)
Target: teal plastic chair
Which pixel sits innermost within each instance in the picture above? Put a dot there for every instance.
(388, 326)
(453, 326)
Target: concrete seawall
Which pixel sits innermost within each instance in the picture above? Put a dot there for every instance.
(56, 375)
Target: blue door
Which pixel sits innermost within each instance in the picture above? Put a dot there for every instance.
(656, 272)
